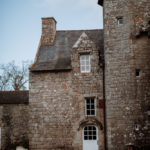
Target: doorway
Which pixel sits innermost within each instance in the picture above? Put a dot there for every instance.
(90, 138)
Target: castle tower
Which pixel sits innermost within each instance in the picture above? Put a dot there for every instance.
(127, 73)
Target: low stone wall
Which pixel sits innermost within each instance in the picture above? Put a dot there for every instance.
(14, 126)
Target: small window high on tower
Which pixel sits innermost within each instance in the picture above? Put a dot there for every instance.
(120, 20)
(137, 72)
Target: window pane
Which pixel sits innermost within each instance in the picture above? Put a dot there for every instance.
(94, 137)
(92, 112)
(87, 68)
(90, 137)
(94, 128)
(88, 101)
(82, 68)
(94, 132)
(89, 128)
(92, 106)
(83, 63)
(88, 107)
(92, 101)
(120, 21)
(83, 57)
(87, 63)
(90, 132)
(88, 112)
(85, 132)
(85, 138)
(85, 128)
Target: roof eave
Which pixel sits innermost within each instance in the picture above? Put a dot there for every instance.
(51, 70)
(100, 2)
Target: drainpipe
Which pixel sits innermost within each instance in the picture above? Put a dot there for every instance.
(104, 111)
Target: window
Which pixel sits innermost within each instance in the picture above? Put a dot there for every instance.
(137, 72)
(90, 133)
(120, 20)
(90, 107)
(136, 127)
(85, 65)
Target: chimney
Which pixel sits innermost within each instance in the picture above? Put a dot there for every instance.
(48, 31)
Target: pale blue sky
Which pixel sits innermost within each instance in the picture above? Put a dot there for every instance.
(20, 23)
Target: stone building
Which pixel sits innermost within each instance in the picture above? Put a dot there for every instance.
(127, 73)
(66, 90)
(89, 89)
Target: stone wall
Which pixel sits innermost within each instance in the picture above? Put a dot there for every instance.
(127, 49)
(14, 126)
(57, 103)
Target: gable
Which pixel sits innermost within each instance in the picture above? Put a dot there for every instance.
(83, 41)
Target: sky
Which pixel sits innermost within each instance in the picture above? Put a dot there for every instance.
(20, 23)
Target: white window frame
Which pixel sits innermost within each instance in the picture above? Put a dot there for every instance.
(83, 63)
(89, 109)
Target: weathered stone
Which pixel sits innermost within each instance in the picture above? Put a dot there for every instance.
(127, 95)
(57, 102)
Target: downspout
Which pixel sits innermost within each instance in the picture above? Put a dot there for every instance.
(101, 2)
(104, 96)
(104, 109)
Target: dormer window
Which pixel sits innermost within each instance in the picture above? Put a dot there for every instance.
(85, 64)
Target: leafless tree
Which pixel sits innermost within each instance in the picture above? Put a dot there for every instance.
(13, 77)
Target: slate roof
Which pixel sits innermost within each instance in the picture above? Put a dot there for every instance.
(58, 56)
(14, 97)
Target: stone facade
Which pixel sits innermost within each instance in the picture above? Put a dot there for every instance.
(14, 126)
(57, 102)
(55, 117)
(127, 73)
(14, 119)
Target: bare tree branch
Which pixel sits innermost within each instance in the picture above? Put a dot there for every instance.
(13, 77)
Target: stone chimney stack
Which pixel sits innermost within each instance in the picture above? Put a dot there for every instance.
(48, 31)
